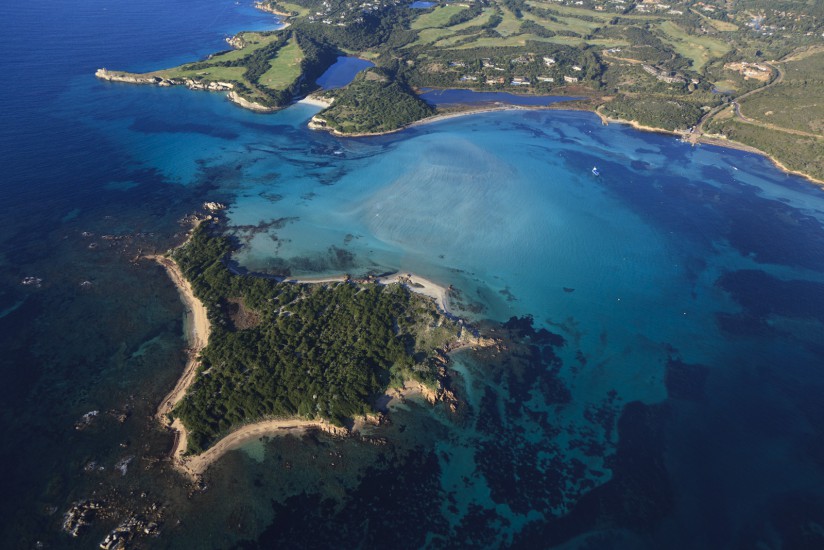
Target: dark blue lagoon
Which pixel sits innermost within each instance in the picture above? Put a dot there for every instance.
(342, 72)
(660, 381)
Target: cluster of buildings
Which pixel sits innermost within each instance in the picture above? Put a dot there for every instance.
(652, 6)
(756, 71)
(341, 14)
(664, 76)
(519, 80)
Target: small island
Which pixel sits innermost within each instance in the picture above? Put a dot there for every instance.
(271, 356)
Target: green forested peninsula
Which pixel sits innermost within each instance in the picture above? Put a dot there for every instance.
(316, 351)
(373, 103)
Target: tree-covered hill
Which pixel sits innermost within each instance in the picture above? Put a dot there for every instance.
(280, 349)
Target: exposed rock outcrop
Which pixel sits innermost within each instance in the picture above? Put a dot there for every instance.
(317, 123)
(270, 8)
(131, 78)
(235, 97)
(236, 41)
(80, 515)
(191, 83)
(214, 206)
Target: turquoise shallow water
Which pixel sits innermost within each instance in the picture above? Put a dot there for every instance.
(504, 207)
(676, 403)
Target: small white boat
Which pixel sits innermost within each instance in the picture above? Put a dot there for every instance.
(595, 171)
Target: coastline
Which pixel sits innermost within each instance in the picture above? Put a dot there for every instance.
(709, 140)
(197, 327)
(194, 466)
(692, 138)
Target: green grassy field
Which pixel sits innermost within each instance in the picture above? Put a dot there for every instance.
(428, 36)
(509, 24)
(726, 86)
(723, 26)
(450, 41)
(521, 40)
(210, 73)
(699, 49)
(436, 18)
(510, 41)
(254, 41)
(284, 68)
(565, 24)
(600, 42)
(480, 20)
(301, 11)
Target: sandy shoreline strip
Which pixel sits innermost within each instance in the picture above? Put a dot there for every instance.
(197, 464)
(196, 324)
(493, 107)
(414, 283)
(420, 285)
(316, 101)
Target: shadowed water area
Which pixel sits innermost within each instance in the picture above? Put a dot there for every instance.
(661, 378)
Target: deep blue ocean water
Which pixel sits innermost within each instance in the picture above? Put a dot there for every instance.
(675, 401)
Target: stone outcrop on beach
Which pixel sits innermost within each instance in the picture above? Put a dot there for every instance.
(235, 97)
(236, 41)
(317, 123)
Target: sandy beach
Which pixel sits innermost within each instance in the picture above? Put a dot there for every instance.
(316, 101)
(196, 465)
(413, 282)
(418, 284)
(475, 111)
(196, 325)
